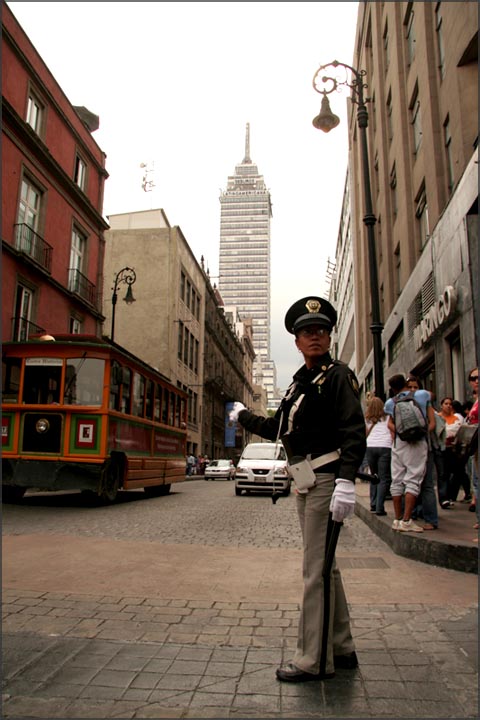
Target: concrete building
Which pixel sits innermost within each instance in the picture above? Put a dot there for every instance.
(53, 175)
(421, 80)
(244, 262)
(176, 323)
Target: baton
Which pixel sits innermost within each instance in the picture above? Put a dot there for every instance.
(333, 531)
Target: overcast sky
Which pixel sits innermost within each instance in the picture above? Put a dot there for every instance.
(174, 85)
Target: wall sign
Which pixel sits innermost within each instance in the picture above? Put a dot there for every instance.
(437, 316)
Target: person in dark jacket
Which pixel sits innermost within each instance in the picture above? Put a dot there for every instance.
(321, 424)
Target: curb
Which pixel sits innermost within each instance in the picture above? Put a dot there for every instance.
(452, 555)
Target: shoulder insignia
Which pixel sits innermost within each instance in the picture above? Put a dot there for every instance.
(353, 382)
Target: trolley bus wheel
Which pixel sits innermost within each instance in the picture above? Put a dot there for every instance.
(110, 482)
(12, 493)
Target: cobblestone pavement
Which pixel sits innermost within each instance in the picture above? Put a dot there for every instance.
(133, 654)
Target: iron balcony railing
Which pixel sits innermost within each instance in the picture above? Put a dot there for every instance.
(33, 245)
(80, 285)
(22, 329)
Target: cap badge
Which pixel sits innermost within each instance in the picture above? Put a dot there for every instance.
(313, 306)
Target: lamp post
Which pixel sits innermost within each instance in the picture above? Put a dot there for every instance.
(326, 121)
(128, 276)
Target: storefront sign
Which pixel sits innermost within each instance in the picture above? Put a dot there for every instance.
(437, 315)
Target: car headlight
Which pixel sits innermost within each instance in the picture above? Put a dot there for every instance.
(42, 425)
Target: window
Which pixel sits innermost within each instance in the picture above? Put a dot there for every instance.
(398, 270)
(74, 326)
(149, 399)
(11, 369)
(126, 378)
(393, 187)
(158, 403)
(421, 214)
(389, 116)
(448, 152)
(180, 340)
(396, 344)
(80, 173)
(386, 46)
(415, 120)
(410, 34)
(84, 381)
(77, 259)
(28, 217)
(440, 43)
(35, 113)
(138, 398)
(23, 312)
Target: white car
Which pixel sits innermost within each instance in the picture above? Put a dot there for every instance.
(262, 467)
(220, 469)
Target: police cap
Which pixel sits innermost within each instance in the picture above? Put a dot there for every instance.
(310, 310)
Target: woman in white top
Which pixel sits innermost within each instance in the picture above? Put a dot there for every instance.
(379, 451)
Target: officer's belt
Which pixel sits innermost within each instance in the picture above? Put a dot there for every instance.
(323, 459)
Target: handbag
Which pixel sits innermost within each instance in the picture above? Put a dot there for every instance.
(466, 441)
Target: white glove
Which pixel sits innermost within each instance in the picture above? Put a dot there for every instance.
(236, 410)
(342, 503)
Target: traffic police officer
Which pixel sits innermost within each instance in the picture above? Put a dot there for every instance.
(320, 419)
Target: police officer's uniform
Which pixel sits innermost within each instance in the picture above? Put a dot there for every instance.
(329, 417)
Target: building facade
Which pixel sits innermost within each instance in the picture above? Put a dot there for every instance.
(421, 83)
(53, 176)
(244, 262)
(176, 322)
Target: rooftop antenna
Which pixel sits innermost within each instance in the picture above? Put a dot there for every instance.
(247, 159)
(148, 170)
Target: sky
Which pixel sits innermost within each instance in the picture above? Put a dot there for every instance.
(174, 85)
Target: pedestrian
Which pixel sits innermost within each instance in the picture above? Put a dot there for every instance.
(320, 421)
(455, 471)
(472, 419)
(426, 506)
(190, 464)
(409, 458)
(379, 453)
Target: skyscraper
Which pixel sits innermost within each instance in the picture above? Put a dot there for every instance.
(244, 262)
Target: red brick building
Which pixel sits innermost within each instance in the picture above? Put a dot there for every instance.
(53, 176)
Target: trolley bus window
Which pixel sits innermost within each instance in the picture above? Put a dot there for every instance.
(165, 407)
(149, 400)
(84, 381)
(138, 394)
(11, 368)
(41, 384)
(158, 403)
(171, 410)
(126, 390)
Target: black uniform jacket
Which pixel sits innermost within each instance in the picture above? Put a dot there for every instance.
(330, 417)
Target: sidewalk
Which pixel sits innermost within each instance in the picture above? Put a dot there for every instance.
(450, 546)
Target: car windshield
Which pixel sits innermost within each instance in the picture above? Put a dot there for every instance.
(219, 463)
(264, 452)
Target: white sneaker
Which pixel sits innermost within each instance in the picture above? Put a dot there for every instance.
(409, 526)
(396, 525)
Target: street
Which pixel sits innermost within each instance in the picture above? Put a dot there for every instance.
(184, 605)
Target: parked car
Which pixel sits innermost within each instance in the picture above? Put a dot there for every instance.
(262, 467)
(220, 469)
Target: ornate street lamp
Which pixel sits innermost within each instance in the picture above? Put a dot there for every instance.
(326, 121)
(128, 276)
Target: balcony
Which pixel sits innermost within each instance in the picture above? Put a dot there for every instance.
(31, 244)
(22, 329)
(81, 286)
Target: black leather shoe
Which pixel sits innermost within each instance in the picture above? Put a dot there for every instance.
(346, 662)
(291, 673)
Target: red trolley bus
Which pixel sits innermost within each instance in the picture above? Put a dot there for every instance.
(82, 413)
